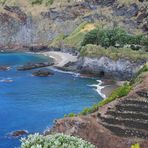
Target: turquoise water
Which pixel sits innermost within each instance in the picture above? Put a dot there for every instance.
(32, 103)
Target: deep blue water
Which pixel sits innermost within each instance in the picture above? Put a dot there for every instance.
(32, 103)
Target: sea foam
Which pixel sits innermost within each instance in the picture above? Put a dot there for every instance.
(98, 87)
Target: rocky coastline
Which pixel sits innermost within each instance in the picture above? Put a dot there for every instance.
(103, 67)
(122, 122)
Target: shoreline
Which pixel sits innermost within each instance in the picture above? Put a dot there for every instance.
(104, 87)
(60, 58)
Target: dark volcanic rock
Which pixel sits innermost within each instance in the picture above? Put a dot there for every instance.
(145, 27)
(42, 73)
(18, 133)
(30, 66)
(123, 10)
(4, 68)
(123, 69)
(15, 9)
(38, 48)
(101, 2)
(143, 13)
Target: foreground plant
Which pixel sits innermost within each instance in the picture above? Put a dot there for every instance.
(54, 141)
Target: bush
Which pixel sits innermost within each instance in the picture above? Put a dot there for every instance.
(33, 2)
(144, 41)
(105, 37)
(90, 37)
(70, 115)
(46, 2)
(131, 39)
(54, 141)
(113, 37)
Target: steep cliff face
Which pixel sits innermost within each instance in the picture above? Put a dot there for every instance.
(120, 69)
(23, 25)
(20, 29)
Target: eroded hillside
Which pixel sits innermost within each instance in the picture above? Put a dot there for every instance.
(25, 23)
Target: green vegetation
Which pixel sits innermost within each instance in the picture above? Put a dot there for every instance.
(57, 42)
(113, 37)
(36, 2)
(46, 2)
(135, 145)
(114, 43)
(137, 78)
(54, 141)
(118, 93)
(113, 53)
(2, 2)
(70, 115)
(75, 38)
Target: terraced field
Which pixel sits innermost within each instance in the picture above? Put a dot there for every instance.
(129, 117)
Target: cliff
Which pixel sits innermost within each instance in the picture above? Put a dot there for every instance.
(26, 24)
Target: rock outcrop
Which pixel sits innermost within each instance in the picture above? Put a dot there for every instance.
(119, 69)
(18, 133)
(42, 73)
(30, 66)
(4, 68)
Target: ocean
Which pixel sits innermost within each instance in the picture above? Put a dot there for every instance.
(33, 103)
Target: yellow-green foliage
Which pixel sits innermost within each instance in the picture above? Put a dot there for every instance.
(57, 42)
(76, 37)
(135, 145)
(113, 53)
(138, 77)
(46, 2)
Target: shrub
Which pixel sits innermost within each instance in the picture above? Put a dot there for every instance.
(54, 141)
(105, 37)
(33, 2)
(90, 37)
(112, 37)
(70, 115)
(46, 2)
(144, 41)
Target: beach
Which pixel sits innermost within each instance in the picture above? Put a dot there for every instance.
(60, 58)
